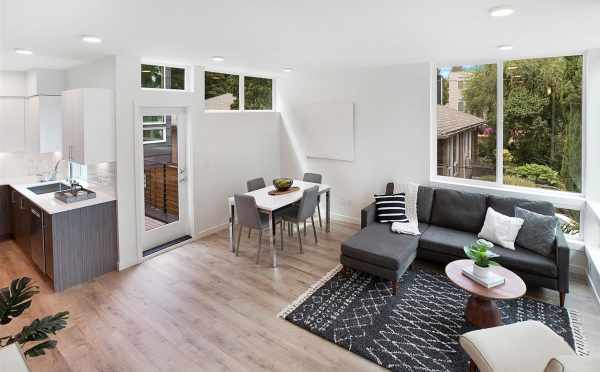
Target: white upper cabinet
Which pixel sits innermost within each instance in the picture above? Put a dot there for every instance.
(12, 124)
(89, 125)
(43, 124)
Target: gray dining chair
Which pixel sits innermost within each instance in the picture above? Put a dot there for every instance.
(249, 216)
(300, 213)
(254, 184)
(314, 178)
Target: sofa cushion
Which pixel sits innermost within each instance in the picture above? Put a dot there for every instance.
(377, 245)
(507, 205)
(538, 231)
(446, 241)
(451, 242)
(459, 210)
(424, 203)
(527, 261)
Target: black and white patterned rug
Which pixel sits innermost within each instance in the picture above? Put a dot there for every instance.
(416, 330)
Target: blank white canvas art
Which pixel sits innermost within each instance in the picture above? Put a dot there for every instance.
(328, 130)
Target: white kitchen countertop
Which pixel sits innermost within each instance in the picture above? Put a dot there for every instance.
(47, 201)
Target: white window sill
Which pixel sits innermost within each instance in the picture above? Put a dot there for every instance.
(234, 111)
(166, 90)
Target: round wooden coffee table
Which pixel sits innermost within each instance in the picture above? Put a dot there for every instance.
(481, 310)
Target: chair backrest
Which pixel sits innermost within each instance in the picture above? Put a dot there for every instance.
(312, 177)
(247, 212)
(308, 203)
(255, 184)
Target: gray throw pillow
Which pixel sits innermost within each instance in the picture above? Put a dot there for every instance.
(538, 231)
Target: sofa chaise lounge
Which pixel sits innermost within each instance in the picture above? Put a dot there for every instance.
(448, 221)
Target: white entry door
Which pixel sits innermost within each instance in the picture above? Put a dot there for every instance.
(162, 202)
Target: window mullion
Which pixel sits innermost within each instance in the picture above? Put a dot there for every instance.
(242, 93)
(500, 122)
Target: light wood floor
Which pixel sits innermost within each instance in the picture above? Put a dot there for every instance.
(200, 308)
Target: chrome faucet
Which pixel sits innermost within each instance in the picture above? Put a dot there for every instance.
(51, 175)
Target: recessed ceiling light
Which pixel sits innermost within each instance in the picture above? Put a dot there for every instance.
(505, 47)
(288, 69)
(25, 52)
(501, 11)
(218, 59)
(91, 39)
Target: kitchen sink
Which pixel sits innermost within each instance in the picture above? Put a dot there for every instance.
(52, 187)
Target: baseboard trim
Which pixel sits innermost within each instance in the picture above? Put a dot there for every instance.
(593, 277)
(346, 219)
(594, 288)
(211, 230)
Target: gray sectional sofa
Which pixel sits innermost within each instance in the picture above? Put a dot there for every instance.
(449, 220)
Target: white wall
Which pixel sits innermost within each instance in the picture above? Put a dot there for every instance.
(97, 74)
(232, 148)
(12, 84)
(391, 129)
(591, 222)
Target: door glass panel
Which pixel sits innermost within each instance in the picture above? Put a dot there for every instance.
(161, 171)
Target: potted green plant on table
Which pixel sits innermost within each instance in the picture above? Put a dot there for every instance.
(14, 300)
(481, 254)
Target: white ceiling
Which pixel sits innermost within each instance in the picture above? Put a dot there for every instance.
(268, 35)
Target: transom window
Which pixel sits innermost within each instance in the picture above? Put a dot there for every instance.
(535, 141)
(163, 77)
(231, 92)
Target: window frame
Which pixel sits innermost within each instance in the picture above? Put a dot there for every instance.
(186, 81)
(154, 123)
(162, 128)
(561, 199)
(242, 92)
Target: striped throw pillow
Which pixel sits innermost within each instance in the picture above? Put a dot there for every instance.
(391, 208)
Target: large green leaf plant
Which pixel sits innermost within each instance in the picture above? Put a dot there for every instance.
(14, 300)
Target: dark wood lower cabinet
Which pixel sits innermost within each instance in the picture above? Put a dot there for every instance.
(70, 247)
(5, 213)
(82, 244)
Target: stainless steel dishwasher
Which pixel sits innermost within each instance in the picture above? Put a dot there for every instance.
(38, 255)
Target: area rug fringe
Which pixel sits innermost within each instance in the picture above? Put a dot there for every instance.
(578, 335)
(291, 307)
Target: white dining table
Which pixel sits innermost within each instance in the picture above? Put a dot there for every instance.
(268, 204)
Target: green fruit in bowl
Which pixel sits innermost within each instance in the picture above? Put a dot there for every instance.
(282, 184)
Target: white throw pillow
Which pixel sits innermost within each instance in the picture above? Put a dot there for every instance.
(412, 226)
(501, 229)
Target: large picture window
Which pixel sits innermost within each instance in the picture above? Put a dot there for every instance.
(540, 122)
(466, 122)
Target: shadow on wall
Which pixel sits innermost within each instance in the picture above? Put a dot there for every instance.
(292, 157)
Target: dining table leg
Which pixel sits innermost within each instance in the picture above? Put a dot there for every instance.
(232, 227)
(271, 240)
(327, 211)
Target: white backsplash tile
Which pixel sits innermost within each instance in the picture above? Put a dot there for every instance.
(25, 164)
(101, 177)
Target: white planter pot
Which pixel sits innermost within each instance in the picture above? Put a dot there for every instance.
(481, 272)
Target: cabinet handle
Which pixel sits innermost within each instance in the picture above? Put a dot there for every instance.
(21, 206)
(13, 196)
(35, 213)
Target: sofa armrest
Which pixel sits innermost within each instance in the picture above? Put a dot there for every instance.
(563, 255)
(367, 215)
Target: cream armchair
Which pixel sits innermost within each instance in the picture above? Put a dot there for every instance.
(528, 346)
